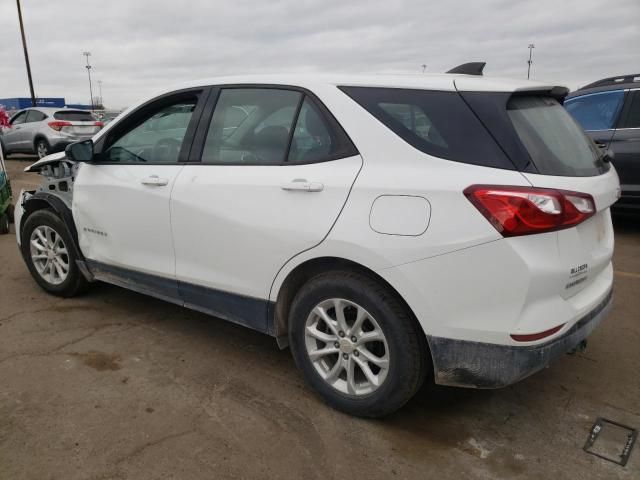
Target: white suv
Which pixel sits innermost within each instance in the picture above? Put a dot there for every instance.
(386, 228)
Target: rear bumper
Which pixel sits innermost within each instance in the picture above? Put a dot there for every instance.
(484, 365)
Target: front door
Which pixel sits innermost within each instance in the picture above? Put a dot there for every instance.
(273, 172)
(121, 201)
(626, 147)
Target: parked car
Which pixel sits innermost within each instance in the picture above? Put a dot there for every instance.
(386, 228)
(45, 130)
(609, 111)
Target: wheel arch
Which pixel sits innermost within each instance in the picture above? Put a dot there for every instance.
(41, 201)
(306, 270)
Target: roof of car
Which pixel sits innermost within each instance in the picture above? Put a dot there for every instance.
(621, 82)
(446, 82)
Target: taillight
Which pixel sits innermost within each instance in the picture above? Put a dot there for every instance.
(58, 125)
(99, 124)
(517, 211)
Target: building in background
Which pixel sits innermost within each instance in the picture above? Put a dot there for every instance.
(12, 104)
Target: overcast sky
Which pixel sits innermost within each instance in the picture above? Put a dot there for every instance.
(139, 46)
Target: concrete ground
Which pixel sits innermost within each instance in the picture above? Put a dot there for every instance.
(116, 385)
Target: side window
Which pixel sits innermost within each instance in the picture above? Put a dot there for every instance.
(19, 118)
(251, 126)
(35, 116)
(313, 140)
(414, 118)
(156, 137)
(633, 116)
(596, 111)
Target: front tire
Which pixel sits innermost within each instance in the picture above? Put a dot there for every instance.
(356, 344)
(48, 250)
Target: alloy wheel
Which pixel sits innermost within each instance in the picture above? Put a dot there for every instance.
(347, 347)
(42, 150)
(49, 254)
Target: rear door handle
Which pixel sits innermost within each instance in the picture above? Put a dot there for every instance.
(154, 181)
(300, 184)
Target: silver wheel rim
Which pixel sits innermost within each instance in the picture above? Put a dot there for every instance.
(347, 347)
(49, 255)
(42, 150)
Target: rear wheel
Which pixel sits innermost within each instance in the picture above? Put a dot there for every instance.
(356, 344)
(42, 148)
(48, 250)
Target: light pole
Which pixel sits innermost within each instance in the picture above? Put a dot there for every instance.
(100, 87)
(88, 54)
(26, 55)
(424, 67)
(529, 62)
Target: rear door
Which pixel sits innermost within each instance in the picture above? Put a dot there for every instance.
(270, 172)
(626, 146)
(77, 123)
(121, 201)
(563, 158)
(13, 137)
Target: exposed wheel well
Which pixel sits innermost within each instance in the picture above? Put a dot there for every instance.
(307, 270)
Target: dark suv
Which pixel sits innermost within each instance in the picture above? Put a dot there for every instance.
(609, 111)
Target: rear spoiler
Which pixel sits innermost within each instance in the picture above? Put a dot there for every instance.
(471, 68)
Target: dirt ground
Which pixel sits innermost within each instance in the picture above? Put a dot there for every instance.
(116, 385)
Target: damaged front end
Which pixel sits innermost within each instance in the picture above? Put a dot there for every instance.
(55, 192)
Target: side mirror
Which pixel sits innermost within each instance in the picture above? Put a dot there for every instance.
(80, 151)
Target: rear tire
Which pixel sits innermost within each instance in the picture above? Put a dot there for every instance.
(387, 350)
(42, 148)
(48, 250)
(4, 223)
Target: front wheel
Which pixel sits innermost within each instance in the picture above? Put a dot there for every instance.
(356, 344)
(47, 248)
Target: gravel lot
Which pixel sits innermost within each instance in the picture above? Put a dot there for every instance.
(116, 385)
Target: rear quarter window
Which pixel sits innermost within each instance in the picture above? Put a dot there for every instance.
(74, 116)
(437, 123)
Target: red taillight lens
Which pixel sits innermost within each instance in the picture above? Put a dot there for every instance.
(99, 124)
(517, 211)
(57, 126)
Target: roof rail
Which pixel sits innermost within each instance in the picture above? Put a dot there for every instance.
(471, 68)
(620, 79)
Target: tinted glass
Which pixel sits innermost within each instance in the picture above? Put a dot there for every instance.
(74, 116)
(313, 140)
(633, 116)
(251, 126)
(35, 116)
(596, 111)
(19, 118)
(437, 123)
(555, 142)
(156, 139)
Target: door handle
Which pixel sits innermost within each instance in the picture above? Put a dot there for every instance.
(601, 145)
(154, 181)
(300, 184)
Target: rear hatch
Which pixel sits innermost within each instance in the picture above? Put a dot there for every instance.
(552, 152)
(76, 123)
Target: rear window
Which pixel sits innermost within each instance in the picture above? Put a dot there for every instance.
(556, 144)
(436, 123)
(74, 116)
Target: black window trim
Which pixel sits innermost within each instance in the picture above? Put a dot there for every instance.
(133, 119)
(348, 148)
(35, 110)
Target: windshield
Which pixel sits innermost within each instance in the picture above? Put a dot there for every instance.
(556, 144)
